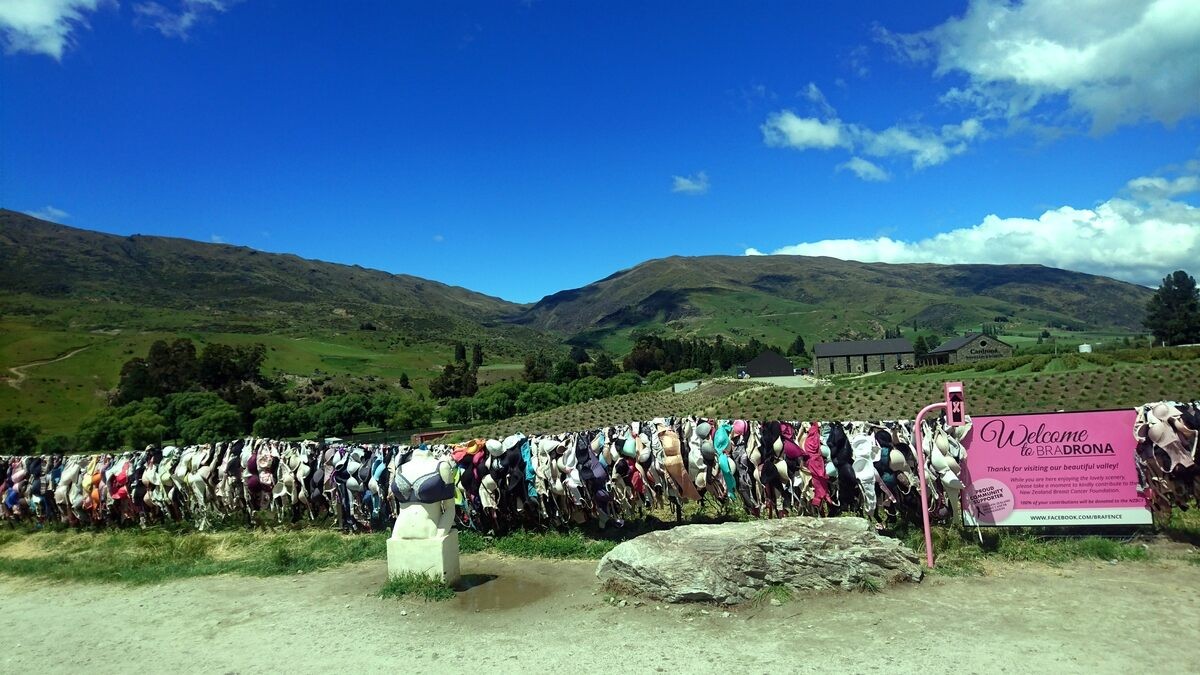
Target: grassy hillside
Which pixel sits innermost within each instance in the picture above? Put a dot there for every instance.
(57, 396)
(63, 277)
(97, 300)
(776, 297)
(65, 289)
(1088, 386)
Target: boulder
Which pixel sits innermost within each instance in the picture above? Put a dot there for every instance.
(731, 562)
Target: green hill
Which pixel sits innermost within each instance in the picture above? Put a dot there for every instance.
(63, 288)
(168, 281)
(776, 297)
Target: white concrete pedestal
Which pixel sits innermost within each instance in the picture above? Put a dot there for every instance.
(436, 557)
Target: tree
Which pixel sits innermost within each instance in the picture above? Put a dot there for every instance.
(173, 366)
(445, 385)
(144, 427)
(219, 423)
(492, 404)
(1045, 334)
(565, 372)
(797, 347)
(223, 367)
(537, 367)
(180, 408)
(920, 346)
(477, 355)
(458, 411)
(604, 367)
(57, 445)
(411, 413)
(625, 383)
(1173, 313)
(541, 396)
(102, 432)
(468, 381)
(587, 389)
(338, 415)
(18, 437)
(135, 383)
(579, 354)
(280, 420)
(404, 383)
(460, 352)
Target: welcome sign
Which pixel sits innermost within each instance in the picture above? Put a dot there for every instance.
(1073, 468)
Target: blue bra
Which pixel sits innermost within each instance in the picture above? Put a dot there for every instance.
(427, 489)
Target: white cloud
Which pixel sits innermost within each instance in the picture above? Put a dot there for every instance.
(813, 93)
(1157, 187)
(1134, 238)
(923, 145)
(50, 213)
(437, 238)
(43, 26)
(216, 239)
(1113, 62)
(690, 185)
(785, 129)
(179, 20)
(865, 169)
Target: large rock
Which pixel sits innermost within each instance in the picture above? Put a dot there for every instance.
(731, 562)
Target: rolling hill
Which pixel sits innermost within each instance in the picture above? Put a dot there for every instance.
(76, 304)
(225, 286)
(825, 298)
(96, 300)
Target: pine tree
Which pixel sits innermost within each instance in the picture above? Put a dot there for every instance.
(404, 381)
(921, 347)
(460, 352)
(477, 355)
(604, 367)
(1173, 313)
(797, 347)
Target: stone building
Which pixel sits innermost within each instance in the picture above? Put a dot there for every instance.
(863, 356)
(969, 347)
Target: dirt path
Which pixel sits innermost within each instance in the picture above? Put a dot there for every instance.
(550, 616)
(18, 372)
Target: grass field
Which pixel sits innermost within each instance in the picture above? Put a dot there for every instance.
(57, 396)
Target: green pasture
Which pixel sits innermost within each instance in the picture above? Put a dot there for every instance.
(57, 396)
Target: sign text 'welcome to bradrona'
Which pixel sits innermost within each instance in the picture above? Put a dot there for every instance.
(1074, 468)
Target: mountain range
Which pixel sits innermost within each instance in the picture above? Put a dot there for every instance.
(172, 282)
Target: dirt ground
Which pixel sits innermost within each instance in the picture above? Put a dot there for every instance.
(539, 615)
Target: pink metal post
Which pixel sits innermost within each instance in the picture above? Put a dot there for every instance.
(921, 476)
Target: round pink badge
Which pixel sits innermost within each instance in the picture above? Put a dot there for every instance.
(989, 501)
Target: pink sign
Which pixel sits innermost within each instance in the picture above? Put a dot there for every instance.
(1053, 469)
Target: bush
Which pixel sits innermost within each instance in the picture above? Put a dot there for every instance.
(541, 396)
(18, 437)
(458, 411)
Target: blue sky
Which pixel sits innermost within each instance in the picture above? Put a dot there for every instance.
(520, 148)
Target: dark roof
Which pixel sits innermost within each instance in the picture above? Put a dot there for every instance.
(863, 347)
(767, 359)
(955, 344)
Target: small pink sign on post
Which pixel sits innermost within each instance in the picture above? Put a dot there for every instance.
(956, 404)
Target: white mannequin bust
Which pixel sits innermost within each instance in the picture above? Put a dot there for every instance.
(417, 520)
